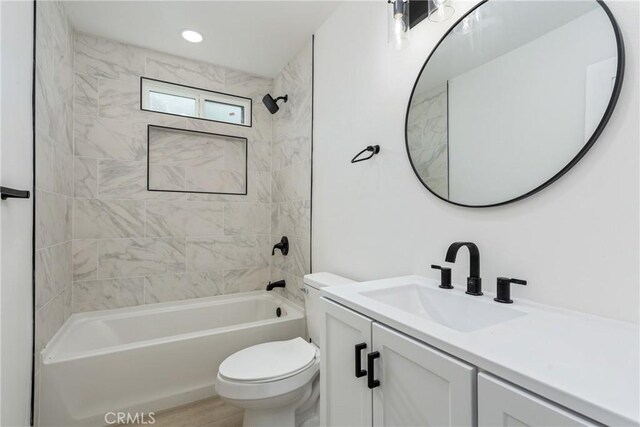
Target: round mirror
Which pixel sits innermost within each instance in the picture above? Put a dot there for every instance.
(512, 97)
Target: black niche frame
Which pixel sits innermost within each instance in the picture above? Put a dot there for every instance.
(246, 160)
(142, 78)
(596, 134)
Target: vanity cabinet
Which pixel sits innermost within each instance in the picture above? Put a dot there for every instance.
(393, 381)
(345, 335)
(502, 404)
(445, 358)
(419, 385)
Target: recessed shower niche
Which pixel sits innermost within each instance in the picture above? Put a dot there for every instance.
(195, 162)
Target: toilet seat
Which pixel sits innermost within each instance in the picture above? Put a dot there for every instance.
(271, 361)
(261, 383)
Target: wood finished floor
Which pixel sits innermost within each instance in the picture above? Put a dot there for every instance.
(212, 412)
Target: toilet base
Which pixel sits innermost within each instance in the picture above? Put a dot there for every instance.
(276, 417)
(293, 409)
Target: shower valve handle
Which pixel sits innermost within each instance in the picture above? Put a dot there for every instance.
(283, 246)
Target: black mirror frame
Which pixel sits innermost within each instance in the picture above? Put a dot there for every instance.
(598, 131)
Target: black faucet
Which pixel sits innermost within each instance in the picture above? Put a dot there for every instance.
(283, 246)
(445, 276)
(474, 282)
(278, 284)
(503, 290)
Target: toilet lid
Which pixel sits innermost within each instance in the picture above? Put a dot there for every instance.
(268, 361)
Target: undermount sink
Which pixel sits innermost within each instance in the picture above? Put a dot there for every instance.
(461, 312)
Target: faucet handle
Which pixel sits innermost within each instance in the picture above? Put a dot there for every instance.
(283, 245)
(445, 276)
(503, 289)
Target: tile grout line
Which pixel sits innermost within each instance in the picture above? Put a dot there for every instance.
(73, 162)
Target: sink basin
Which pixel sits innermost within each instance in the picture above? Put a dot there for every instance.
(461, 312)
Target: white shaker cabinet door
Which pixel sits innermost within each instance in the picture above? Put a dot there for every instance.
(502, 404)
(345, 399)
(419, 385)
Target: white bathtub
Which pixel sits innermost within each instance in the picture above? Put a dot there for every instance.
(152, 357)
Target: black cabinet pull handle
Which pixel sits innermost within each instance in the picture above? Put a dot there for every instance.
(359, 371)
(12, 193)
(372, 383)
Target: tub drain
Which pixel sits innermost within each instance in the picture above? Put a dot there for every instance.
(278, 312)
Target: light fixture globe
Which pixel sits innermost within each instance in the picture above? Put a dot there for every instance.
(441, 12)
(399, 24)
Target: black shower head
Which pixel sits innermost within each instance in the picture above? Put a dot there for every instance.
(272, 104)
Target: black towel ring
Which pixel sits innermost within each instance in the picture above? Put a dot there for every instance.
(374, 149)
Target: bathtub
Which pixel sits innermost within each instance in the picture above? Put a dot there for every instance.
(148, 358)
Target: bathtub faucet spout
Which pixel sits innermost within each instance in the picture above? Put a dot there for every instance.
(278, 284)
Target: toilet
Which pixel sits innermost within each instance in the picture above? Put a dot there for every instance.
(277, 383)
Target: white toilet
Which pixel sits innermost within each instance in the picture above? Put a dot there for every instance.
(277, 383)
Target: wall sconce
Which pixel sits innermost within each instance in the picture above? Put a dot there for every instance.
(398, 23)
(406, 14)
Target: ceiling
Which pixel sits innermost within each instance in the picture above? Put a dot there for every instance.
(258, 37)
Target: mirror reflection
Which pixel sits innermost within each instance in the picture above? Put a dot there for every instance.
(511, 95)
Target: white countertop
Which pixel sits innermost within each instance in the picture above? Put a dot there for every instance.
(586, 363)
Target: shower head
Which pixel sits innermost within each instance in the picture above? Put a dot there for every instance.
(272, 104)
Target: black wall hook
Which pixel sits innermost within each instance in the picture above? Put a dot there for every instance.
(374, 149)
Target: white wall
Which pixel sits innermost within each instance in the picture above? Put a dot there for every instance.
(16, 142)
(576, 242)
(517, 120)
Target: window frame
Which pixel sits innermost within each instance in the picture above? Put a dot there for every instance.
(200, 95)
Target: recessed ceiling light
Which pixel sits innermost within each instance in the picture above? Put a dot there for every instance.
(192, 36)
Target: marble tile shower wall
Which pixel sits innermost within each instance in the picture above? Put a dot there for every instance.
(428, 133)
(291, 173)
(131, 246)
(54, 170)
(189, 161)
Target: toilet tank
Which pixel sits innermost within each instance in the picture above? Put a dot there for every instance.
(312, 285)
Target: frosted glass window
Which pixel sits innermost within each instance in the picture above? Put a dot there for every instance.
(187, 101)
(172, 104)
(223, 112)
